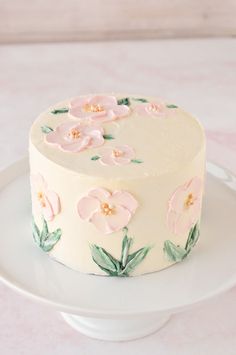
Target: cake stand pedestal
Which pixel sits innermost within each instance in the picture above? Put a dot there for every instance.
(115, 329)
(111, 308)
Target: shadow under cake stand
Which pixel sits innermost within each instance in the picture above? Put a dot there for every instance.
(118, 308)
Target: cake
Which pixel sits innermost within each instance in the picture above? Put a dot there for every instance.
(116, 183)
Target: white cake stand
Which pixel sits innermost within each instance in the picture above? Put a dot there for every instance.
(118, 308)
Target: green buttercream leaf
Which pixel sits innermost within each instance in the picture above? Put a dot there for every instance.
(46, 129)
(36, 233)
(135, 259)
(108, 136)
(171, 106)
(192, 237)
(136, 161)
(124, 101)
(44, 239)
(104, 260)
(60, 110)
(44, 233)
(125, 250)
(173, 252)
(51, 240)
(139, 99)
(127, 263)
(95, 157)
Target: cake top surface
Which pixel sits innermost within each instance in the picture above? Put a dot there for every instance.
(117, 136)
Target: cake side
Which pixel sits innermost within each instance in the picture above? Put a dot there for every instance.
(119, 223)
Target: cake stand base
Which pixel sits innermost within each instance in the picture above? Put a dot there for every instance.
(115, 329)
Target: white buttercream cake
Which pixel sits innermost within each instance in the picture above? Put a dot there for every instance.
(117, 183)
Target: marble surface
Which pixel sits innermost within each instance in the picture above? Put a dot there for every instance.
(199, 75)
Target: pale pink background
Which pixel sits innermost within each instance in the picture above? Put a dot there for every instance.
(199, 75)
(71, 20)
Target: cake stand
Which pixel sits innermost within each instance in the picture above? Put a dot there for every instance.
(118, 308)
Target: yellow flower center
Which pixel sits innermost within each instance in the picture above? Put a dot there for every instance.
(106, 209)
(74, 133)
(93, 108)
(189, 200)
(41, 199)
(117, 153)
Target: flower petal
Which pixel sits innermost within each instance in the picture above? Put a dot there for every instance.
(65, 127)
(121, 110)
(195, 210)
(146, 109)
(183, 224)
(103, 100)
(111, 110)
(77, 146)
(121, 161)
(124, 199)
(59, 135)
(87, 206)
(128, 152)
(78, 112)
(100, 222)
(54, 201)
(80, 100)
(195, 186)
(47, 210)
(101, 194)
(107, 115)
(93, 130)
(54, 138)
(119, 219)
(176, 202)
(179, 218)
(96, 134)
(107, 159)
(96, 141)
(141, 109)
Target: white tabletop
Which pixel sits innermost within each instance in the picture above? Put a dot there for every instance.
(199, 75)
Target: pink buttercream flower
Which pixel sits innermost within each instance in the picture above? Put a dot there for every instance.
(75, 137)
(152, 109)
(119, 155)
(109, 212)
(184, 206)
(97, 108)
(45, 201)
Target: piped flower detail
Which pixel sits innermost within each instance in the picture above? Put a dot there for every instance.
(98, 108)
(152, 109)
(184, 206)
(108, 211)
(155, 109)
(75, 137)
(45, 201)
(119, 155)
